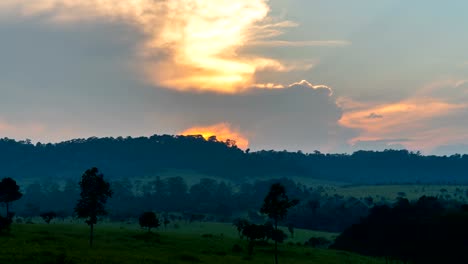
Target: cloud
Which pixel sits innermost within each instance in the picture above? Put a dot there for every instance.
(222, 131)
(301, 84)
(374, 116)
(313, 43)
(307, 85)
(379, 145)
(189, 45)
(432, 116)
(301, 116)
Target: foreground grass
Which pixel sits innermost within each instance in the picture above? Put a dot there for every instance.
(222, 229)
(62, 243)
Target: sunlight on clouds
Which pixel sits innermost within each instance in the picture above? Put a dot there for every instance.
(191, 45)
(408, 118)
(396, 116)
(433, 116)
(307, 84)
(222, 131)
(302, 83)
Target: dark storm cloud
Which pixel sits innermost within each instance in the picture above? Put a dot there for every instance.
(296, 118)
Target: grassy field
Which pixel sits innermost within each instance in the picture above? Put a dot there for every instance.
(223, 229)
(67, 243)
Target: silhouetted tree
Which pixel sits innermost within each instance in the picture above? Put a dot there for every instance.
(166, 221)
(149, 220)
(48, 216)
(276, 205)
(291, 229)
(277, 235)
(421, 231)
(253, 232)
(240, 224)
(94, 193)
(9, 192)
(5, 223)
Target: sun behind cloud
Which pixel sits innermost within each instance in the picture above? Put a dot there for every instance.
(222, 131)
(190, 45)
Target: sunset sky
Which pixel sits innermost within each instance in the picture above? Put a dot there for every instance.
(334, 76)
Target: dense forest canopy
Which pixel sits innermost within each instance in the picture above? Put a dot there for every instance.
(148, 156)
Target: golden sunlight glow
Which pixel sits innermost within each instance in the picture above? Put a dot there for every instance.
(191, 45)
(222, 131)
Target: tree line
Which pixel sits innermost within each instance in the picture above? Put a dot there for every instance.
(147, 156)
(95, 191)
(208, 200)
(427, 230)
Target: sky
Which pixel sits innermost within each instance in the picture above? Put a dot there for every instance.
(335, 76)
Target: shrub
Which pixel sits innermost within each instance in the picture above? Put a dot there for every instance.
(149, 220)
(236, 248)
(5, 223)
(48, 216)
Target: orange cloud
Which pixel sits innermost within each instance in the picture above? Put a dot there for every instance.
(197, 42)
(407, 119)
(396, 116)
(222, 131)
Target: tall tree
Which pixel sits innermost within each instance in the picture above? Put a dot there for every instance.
(276, 205)
(94, 194)
(9, 192)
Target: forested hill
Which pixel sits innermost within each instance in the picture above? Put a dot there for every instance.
(137, 157)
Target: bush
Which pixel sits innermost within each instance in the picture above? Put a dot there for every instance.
(149, 220)
(236, 248)
(48, 216)
(5, 223)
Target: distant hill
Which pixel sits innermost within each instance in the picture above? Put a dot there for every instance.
(151, 156)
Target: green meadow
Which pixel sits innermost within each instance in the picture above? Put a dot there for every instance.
(124, 243)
